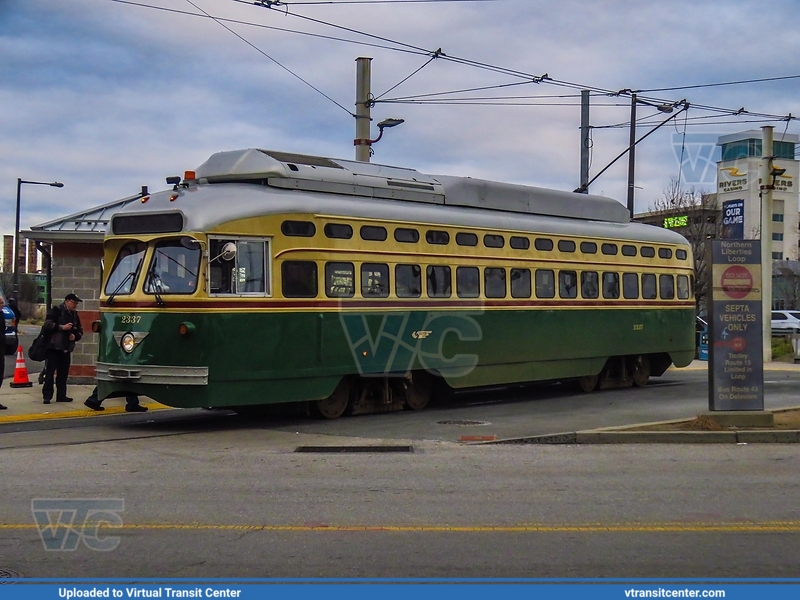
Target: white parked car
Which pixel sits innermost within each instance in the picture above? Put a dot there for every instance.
(785, 322)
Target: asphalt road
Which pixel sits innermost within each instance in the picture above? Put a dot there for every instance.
(214, 494)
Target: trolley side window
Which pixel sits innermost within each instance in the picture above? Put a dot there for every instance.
(628, 250)
(683, 287)
(434, 236)
(298, 228)
(566, 246)
(666, 287)
(341, 231)
(299, 278)
(610, 285)
(681, 254)
(545, 283)
(439, 284)
(374, 280)
(649, 291)
(590, 288)
(491, 240)
(408, 281)
(468, 281)
(630, 285)
(173, 268)
(609, 249)
(408, 236)
(373, 233)
(543, 244)
(494, 281)
(239, 267)
(648, 251)
(520, 283)
(123, 277)
(340, 280)
(466, 239)
(567, 284)
(519, 243)
(588, 247)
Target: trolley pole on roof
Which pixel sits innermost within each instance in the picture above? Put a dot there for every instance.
(363, 98)
(584, 142)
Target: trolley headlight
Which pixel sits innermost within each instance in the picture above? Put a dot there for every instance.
(128, 342)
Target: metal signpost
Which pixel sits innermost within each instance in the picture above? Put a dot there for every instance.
(736, 376)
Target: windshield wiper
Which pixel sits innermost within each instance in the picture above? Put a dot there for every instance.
(155, 284)
(125, 279)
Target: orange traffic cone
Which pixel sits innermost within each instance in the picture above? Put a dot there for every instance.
(20, 372)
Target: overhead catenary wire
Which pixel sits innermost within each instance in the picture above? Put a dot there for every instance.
(285, 68)
(398, 46)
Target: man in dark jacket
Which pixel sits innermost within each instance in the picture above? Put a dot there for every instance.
(64, 329)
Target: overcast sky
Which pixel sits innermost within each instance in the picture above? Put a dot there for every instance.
(106, 97)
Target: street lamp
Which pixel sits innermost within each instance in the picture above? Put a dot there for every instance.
(16, 229)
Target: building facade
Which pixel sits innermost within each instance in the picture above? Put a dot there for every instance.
(738, 190)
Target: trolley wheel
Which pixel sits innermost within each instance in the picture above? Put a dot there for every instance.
(418, 392)
(588, 383)
(641, 371)
(334, 405)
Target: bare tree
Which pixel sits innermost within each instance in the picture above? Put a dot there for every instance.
(696, 217)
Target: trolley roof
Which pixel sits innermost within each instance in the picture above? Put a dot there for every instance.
(359, 179)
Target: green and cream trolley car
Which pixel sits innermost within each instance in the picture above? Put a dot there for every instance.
(266, 277)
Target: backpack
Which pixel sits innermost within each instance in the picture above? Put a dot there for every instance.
(38, 349)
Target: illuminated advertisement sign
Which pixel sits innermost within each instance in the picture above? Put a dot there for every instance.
(733, 220)
(678, 221)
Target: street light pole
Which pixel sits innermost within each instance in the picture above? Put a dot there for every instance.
(16, 228)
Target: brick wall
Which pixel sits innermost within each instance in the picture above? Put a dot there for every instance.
(77, 269)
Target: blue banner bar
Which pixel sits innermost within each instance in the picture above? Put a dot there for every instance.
(423, 589)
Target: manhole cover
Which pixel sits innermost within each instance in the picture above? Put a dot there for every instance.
(9, 574)
(345, 449)
(462, 423)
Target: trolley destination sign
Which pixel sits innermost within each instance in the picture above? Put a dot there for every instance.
(736, 379)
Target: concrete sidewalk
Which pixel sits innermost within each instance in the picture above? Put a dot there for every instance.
(25, 404)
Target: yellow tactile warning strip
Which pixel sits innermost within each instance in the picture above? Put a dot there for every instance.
(74, 414)
(639, 527)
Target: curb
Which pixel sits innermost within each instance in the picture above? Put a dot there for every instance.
(76, 414)
(786, 436)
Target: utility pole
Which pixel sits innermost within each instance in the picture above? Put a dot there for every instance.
(766, 187)
(584, 141)
(363, 119)
(632, 155)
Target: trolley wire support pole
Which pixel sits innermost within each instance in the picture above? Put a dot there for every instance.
(363, 106)
(585, 141)
(767, 184)
(684, 106)
(632, 155)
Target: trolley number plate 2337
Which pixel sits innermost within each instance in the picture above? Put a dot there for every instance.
(131, 318)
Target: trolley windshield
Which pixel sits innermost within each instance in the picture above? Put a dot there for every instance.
(125, 273)
(173, 268)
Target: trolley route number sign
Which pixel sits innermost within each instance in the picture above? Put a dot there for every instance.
(736, 376)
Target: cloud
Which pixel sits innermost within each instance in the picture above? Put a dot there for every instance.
(108, 97)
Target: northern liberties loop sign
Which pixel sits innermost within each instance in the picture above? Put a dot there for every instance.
(737, 366)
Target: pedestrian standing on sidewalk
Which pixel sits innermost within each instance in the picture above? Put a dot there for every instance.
(63, 327)
(2, 359)
(131, 401)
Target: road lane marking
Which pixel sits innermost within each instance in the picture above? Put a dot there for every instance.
(699, 527)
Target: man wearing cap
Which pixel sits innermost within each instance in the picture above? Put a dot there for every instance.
(64, 328)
